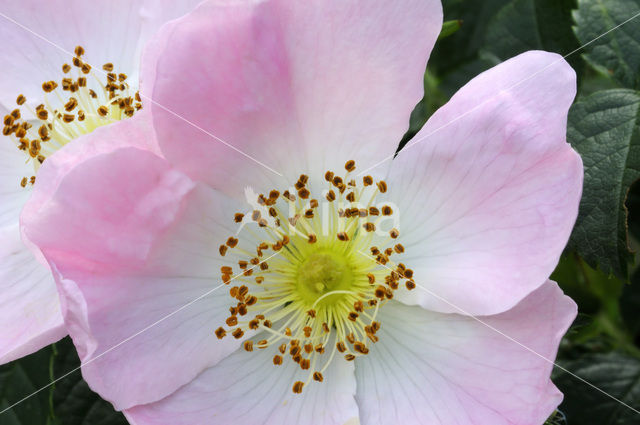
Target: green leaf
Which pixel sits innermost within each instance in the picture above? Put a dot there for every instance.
(557, 418)
(75, 403)
(523, 25)
(20, 379)
(603, 128)
(449, 28)
(618, 52)
(614, 373)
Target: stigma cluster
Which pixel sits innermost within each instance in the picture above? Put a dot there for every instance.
(307, 275)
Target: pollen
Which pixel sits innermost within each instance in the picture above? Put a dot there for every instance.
(76, 104)
(311, 275)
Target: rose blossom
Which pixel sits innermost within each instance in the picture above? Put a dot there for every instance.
(347, 295)
(39, 77)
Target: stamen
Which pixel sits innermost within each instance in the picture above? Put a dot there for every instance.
(297, 387)
(316, 290)
(67, 116)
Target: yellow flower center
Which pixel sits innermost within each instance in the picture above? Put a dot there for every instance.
(323, 272)
(313, 275)
(76, 105)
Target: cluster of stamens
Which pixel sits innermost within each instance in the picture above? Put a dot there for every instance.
(74, 106)
(311, 276)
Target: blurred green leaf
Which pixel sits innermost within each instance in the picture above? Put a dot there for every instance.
(463, 46)
(633, 205)
(20, 379)
(618, 52)
(603, 128)
(573, 282)
(68, 401)
(630, 305)
(599, 326)
(594, 81)
(615, 373)
(449, 28)
(557, 418)
(523, 25)
(454, 60)
(489, 32)
(75, 403)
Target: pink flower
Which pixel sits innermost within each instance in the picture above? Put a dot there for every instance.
(337, 301)
(39, 38)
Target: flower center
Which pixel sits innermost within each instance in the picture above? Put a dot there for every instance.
(323, 272)
(76, 105)
(312, 276)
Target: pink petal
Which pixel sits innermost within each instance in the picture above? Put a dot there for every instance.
(41, 36)
(488, 199)
(132, 132)
(449, 369)
(246, 388)
(30, 315)
(296, 86)
(132, 243)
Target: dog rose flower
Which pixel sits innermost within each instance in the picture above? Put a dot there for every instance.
(347, 288)
(50, 95)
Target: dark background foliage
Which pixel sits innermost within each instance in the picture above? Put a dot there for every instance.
(598, 269)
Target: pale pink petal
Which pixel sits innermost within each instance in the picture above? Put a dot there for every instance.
(296, 86)
(246, 388)
(487, 200)
(448, 369)
(35, 320)
(30, 315)
(133, 244)
(40, 36)
(134, 132)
